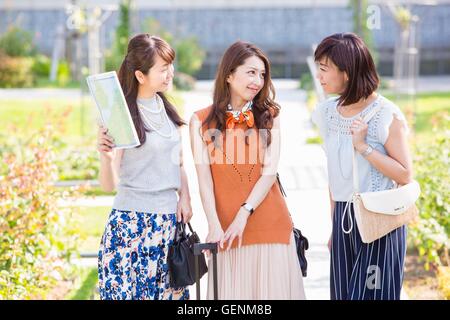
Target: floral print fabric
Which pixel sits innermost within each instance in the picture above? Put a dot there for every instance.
(132, 260)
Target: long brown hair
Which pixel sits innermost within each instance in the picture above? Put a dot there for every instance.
(351, 55)
(141, 55)
(265, 109)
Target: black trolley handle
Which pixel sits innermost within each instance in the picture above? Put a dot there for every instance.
(198, 248)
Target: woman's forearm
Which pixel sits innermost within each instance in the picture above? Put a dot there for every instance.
(209, 203)
(260, 190)
(184, 187)
(108, 177)
(388, 166)
(269, 169)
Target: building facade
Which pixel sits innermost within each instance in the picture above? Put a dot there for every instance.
(286, 30)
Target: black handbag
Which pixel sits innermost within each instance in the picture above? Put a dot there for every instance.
(181, 258)
(302, 245)
(301, 242)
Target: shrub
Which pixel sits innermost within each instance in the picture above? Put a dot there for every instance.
(430, 234)
(37, 240)
(15, 71)
(306, 81)
(76, 164)
(41, 66)
(63, 73)
(190, 55)
(16, 42)
(183, 81)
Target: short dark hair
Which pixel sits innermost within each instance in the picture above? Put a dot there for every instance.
(350, 54)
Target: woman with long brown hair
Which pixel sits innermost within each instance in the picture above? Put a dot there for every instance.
(235, 143)
(152, 189)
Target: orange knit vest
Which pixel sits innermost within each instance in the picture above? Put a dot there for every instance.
(234, 180)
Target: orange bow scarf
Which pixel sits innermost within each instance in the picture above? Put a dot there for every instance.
(245, 115)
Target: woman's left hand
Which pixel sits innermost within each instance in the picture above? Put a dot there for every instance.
(184, 209)
(359, 133)
(236, 228)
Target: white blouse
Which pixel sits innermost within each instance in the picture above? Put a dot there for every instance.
(335, 132)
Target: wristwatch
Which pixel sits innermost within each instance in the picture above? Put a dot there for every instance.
(248, 207)
(368, 151)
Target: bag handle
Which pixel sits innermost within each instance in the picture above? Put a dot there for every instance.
(190, 227)
(180, 231)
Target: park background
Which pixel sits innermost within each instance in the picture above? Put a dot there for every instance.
(52, 211)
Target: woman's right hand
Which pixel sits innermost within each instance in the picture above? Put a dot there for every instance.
(215, 235)
(105, 143)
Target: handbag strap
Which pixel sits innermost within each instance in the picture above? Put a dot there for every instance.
(366, 119)
(281, 186)
(284, 195)
(355, 177)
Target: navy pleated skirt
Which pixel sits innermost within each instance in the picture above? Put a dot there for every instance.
(361, 271)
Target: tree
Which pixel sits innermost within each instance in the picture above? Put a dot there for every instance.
(360, 25)
(115, 56)
(189, 53)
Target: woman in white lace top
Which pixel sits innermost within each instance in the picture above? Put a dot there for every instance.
(360, 271)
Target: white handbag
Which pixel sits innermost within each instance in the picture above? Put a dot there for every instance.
(380, 212)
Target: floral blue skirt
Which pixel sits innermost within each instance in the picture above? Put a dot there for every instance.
(132, 260)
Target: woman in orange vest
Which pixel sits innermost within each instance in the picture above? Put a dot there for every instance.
(235, 144)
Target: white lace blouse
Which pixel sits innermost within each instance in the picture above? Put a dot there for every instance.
(335, 132)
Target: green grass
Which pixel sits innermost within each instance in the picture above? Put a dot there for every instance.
(428, 110)
(314, 140)
(72, 118)
(90, 192)
(46, 83)
(85, 285)
(91, 222)
(97, 191)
